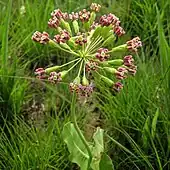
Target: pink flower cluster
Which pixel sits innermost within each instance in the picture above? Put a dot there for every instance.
(111, 19)
(84, 15)
(129, 62)
(91, 41)
(62, 37)
(102, 54)
(82, 90)
(91, 66)
(42, 38)
(117, 86)
(81, 39)
(55, 77)
(134, 44)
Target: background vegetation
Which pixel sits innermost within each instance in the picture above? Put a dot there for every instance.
(32, 114)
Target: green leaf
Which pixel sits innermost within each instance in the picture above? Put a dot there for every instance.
(146, 132)
(98, 148)
(78, 151)
(164, 51)
(106, 163)
(154, 122)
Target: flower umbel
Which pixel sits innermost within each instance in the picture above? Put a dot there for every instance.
(90, 44)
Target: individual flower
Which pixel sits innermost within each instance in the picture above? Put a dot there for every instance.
(128, 61)
(55, 77)
(118, 30)
(132, 70)
(94, 25)
(74, 87)
(121, 73)
(90, 45)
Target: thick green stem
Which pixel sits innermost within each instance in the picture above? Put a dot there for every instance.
(73, 107)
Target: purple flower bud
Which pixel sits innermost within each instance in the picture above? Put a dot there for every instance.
(55, 77)
(40, 73)
(118, 30)
(57, 13)
(117, 86)
(95, 7)
(102, 54)
(53, 22)
(85, 91)
(63, 37)
(91, 65)
(84, 15)
(134, 44)
(42, 38)
(109, 19)
(120, 73)
(81, 39)
(74, 16)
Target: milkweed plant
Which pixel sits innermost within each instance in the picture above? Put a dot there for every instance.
(90, 41)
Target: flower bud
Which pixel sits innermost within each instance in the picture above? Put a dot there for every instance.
(85, 82)
(102, 54)
(95, 7)
(51, 69)
(110, 70)
(66, 26)
(134, 44)
(76, 26)
(84, 15)
(77, 80)
(117, 86)
(106, 80)
(120, 48)
(42, 38)
(116, 62)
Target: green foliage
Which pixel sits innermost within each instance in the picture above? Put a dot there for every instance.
(79, 153)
